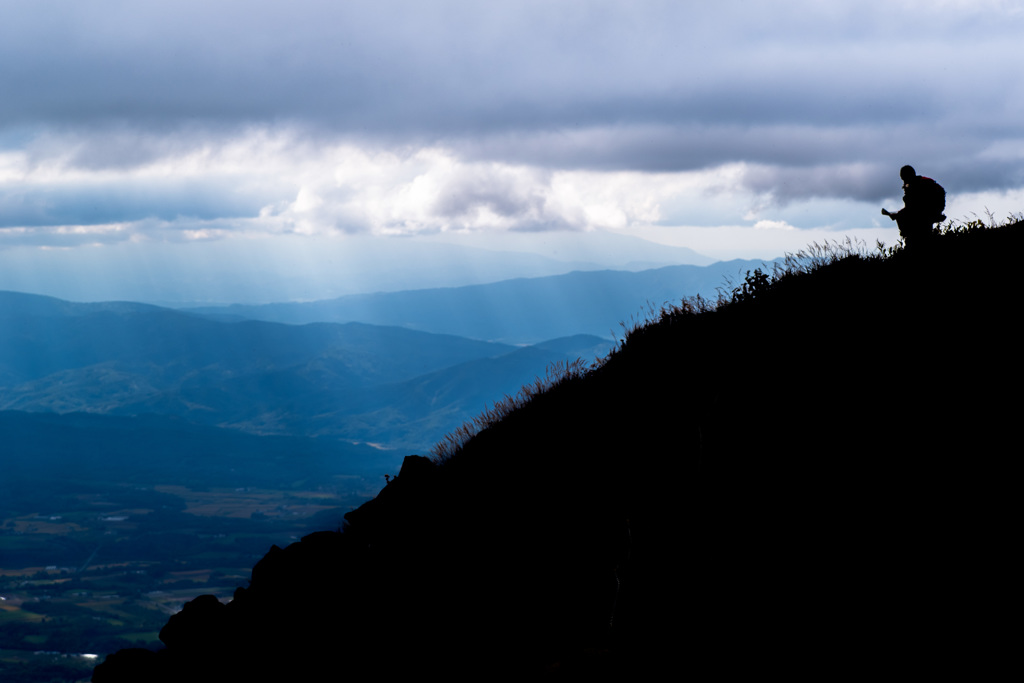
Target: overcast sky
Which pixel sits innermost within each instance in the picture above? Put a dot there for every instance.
(736, 128)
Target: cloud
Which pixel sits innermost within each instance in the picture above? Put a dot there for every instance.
(396, 117)
(773, 225)
(96, 203)
(446, 68)
(781, 185)
(277, 181)
(272, 181)
(62, 179)
(434, 190)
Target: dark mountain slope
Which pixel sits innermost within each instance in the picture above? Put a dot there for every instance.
(730, 494)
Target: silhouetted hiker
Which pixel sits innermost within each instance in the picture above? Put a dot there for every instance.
(924, 200)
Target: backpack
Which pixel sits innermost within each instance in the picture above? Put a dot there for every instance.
(933, 197)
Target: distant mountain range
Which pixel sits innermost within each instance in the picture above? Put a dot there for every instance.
(518, 311)
(398, 370)
(362, 383)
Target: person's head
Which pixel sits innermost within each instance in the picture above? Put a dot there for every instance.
(907, 173)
